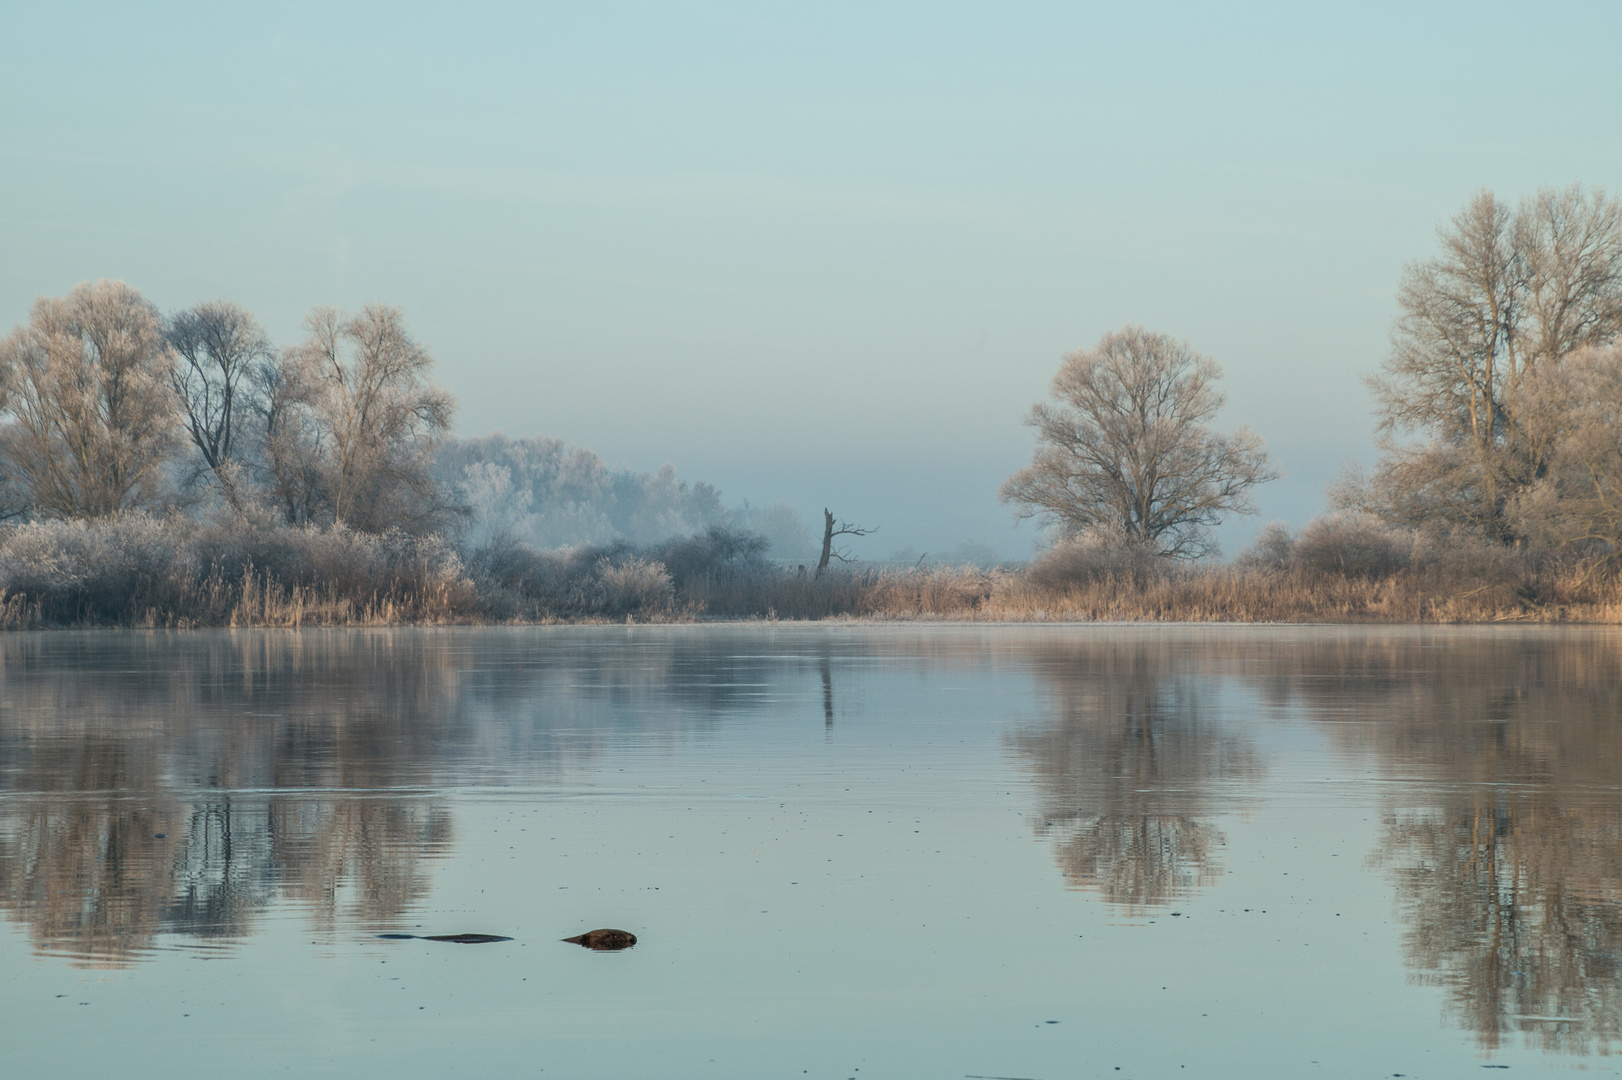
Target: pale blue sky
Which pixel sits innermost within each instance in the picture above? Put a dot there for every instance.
(830, 254)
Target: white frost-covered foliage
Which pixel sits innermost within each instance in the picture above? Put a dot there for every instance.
(633, 584)
(1345, 544)
(115, 569)
(1096, 555)
(787, 537)
(547, 494)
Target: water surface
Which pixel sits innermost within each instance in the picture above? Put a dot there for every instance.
(847, 851)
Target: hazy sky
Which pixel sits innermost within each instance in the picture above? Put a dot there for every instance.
(829, 254)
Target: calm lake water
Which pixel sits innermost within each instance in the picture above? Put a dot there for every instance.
(849, 852)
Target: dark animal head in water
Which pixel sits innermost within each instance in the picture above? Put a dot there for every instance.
(604, 940)
(460, 939)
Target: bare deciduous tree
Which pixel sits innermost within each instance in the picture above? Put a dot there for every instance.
(832, 527)
(91, 399)
(289, 462)
(1511, 291)
(1577, 502)
(217, 346)
(353, 404)
(11, 500)
(1126, 447)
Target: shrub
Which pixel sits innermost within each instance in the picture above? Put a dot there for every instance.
(140, 569)
(718, 553)
(631, 585)
(610, 579)
(1352, 545)
(1273, 549)
(1096, 555)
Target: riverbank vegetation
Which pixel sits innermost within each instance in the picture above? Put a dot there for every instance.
(179, 470)
(142, 570)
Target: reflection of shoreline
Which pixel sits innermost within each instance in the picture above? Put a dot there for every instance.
(1509, 876)
(100, 881)
(1504, 846)
(158, 784)
(1499, 916)
(1504, 843)
(183, 783)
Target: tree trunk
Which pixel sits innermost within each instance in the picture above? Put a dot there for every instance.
(827, 541)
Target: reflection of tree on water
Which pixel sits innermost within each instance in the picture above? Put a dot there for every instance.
(1499, 915)
(1129, 769)
(101, 878)
(84, 863)
(157, 784)
(825, 667)
(1506, 848)
(135, 807)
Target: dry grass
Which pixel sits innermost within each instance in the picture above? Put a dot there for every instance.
(1211, 594)
(253, 600)
(141, 571)
(262, 601)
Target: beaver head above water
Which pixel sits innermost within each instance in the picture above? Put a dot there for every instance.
(604, 940)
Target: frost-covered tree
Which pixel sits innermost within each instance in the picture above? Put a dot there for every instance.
(288, 463)
(217, 349)
(786, 533)
(1126, 447)
(549, 494)
(1576, 503)
(93, 412)
(1512, 292)
(351, 422)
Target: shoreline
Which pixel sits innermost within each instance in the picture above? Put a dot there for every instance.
(1306, 622)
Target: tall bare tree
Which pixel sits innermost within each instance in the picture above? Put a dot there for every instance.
(1512, 291)
(1577, 502)
(91, 400)
(1126, 447)
(290, 458)
(358, 407)
(217, 348)
(11, 500)
(833, 528)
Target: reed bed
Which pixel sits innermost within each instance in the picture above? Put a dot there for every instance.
(139, 570)
(1201, 594)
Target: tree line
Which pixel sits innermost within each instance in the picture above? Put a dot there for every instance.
(1499, 404)
(1500, 434)
(114, 407)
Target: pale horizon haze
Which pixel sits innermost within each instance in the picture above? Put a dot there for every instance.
(827, 254)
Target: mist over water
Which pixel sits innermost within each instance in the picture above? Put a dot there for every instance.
(908, 850)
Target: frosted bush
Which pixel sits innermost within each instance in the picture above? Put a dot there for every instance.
(633, 584)
(1273, 549)
(1092, 556)
(104, 554)
(717, 553)
(136, 567)
(1466, 558)
(1355, 545)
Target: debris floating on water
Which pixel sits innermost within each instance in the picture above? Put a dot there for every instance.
(459, 939)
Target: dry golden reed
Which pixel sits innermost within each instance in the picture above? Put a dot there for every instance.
(1199, 594)
(143, 571)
